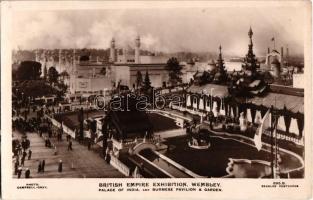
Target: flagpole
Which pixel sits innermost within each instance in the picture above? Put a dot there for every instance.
(274, 44)
(272, 141)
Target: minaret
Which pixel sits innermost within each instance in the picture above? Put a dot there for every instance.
(125, 55)
(37, 56)
(137, 50)
(112, 51)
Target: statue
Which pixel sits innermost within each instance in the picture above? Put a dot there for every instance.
(242, 122)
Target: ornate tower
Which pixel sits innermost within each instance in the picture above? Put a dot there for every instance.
(221, 75)
(137, 50)
(112, 51)
(220, 63)
(250, 61)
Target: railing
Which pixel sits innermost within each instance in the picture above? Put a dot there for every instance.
(65, 128)
(117, 164)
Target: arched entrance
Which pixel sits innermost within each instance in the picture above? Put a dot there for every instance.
(141, 146)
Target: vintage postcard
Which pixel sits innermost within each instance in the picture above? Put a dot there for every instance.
(156, 99)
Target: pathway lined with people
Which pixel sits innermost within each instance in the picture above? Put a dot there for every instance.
(78, 163)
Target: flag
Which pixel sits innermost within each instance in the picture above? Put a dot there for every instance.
(273, 39)
(258, 134)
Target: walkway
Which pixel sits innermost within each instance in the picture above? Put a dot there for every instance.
(87, 164)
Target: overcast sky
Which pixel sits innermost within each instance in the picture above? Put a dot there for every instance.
(168, 30)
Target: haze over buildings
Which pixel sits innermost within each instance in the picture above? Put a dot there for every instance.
(168, 30)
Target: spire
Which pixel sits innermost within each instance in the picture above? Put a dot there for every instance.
(220, 62)
(221, 67)
(250, 33)
(250, 61)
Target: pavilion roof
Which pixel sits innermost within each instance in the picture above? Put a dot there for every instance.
(292, 103)
(217, 90)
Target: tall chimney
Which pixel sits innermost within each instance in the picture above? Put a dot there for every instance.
(268, 50)
(137, 50)
(112, 51)
(74, 60)
(60, 59)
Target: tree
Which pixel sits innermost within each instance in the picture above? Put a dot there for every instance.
(29, 70)
(64, 74)
(138, 79)
(36, 88)
(53, 75)
(174, 69)
(147, 83)
(45, 73)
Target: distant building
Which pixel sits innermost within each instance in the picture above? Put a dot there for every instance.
(128, 62)
(126, 74)
(89, 77)
(298, 80)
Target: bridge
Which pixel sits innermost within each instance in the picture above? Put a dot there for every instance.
(145, 156)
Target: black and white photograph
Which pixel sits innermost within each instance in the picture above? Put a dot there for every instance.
(212, 92)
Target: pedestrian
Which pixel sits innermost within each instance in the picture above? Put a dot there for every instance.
(69, 146)
(19, 149)
(39, 167)
(60, 166)
(49, 143)
(89, 144)
(22, 161)
(46, 142)
(29, 154)
(18, 160)
(43, 163)
(24, 154)
(50, 133)
(15, 151)
(27, 173)
(55, 150)
(15, 168)
(19, 172)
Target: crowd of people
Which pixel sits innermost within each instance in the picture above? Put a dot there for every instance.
(25, 124)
